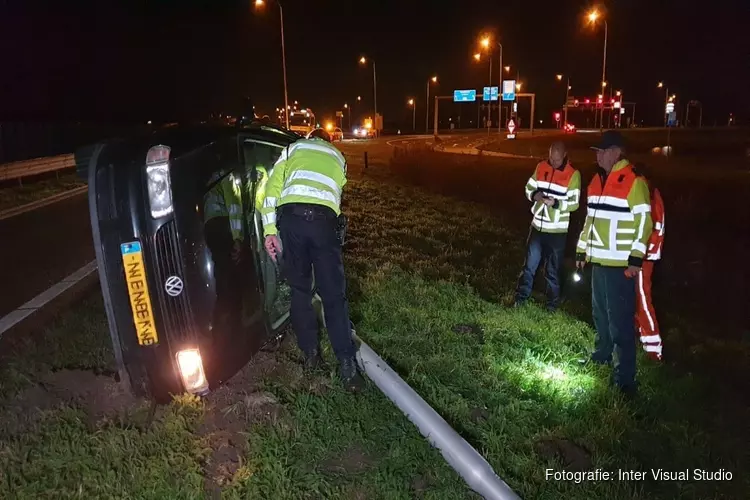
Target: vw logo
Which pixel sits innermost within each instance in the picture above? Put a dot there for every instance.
(173, 286)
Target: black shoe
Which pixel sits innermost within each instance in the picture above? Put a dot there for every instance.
(629, 392)
(353, 381)
(313, 361)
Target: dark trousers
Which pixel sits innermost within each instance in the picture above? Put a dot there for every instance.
(550, 248)
(614, 318)
(227, 274)
(310, 243)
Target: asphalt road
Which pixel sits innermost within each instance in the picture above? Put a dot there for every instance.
(41, 247)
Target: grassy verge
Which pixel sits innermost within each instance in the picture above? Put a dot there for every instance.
(68, 431)
(13, 195)
(429, 276)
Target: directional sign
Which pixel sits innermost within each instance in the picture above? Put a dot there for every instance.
(490, 94)
(509, 90)
(511, 127)
(464, 95)
(671, 119)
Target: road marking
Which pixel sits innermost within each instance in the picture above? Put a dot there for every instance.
(15, 317)
(28, 207)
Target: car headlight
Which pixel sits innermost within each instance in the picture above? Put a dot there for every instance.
(191, 370)
(158, 181)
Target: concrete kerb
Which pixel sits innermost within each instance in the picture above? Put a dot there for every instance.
(34, 312)
(27, 207)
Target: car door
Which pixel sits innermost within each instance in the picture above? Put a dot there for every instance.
(259, 156)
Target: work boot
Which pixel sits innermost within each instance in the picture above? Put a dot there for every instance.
(352, 380)
(313, 361)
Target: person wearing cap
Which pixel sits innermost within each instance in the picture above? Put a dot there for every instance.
(615, 234)
(305, 190)
(554, 189)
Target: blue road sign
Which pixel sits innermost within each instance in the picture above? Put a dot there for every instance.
(509, 90)
(671, 119)
(464, 95)
(489, 94)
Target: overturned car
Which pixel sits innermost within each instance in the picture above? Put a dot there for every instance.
(190, 294)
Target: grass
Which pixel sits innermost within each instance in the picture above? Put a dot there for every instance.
(428, 277)
(12, 194)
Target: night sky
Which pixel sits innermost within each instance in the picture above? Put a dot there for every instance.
(159, 60)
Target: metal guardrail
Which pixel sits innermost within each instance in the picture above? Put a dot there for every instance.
(27, 168)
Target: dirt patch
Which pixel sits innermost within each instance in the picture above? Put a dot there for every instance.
(230, 412)
(350, 461)
(479, 415)
(469, 329)
(572, 456)
(421, 484)
(99, 395)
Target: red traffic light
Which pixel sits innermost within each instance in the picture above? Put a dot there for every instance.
(557, 117)
(588, 101)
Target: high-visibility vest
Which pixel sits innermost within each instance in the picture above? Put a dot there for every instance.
(308, 171)
(656, 241)
(618, 218)
(225, 200)
(564, 185)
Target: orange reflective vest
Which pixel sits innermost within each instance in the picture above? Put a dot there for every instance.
(618, 218)
(564, 186)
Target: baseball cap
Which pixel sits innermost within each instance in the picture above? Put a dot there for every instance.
(610, 139)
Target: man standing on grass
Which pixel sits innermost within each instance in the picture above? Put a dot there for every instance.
(614, 237)
(554, 189)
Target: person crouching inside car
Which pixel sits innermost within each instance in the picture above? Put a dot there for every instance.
(304, 192)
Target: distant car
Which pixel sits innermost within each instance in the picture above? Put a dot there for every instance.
(364, 132)
(187, 307)
(337, 134)
(569, 128)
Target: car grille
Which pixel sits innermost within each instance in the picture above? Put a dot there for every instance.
(176, 312)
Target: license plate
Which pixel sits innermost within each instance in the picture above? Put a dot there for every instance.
(140, 300)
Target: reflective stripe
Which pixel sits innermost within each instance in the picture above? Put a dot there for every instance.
(644, 304)
(234, 209)
(269, 202)
(310, 192)
(624, 242)
(641, 228)
(236, 225)
(310, 145)
(641, 209)
(626, 230)
(315, 177)
(550, 225)
(214, 208)
(653, 348)
(657, 226)
(532, 181)
(651, 339)
(613, 216)
(601, 253)
(575, 192)
(639, 247)
(269, 218)
(556, 188)
(608, 200)
(650, 246)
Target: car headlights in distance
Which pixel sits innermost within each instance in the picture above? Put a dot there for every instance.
(191, 370)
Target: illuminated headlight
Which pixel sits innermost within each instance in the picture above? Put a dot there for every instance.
(159, 190)
(191, 370)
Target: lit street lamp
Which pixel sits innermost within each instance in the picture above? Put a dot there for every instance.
(261, 3)
(346, 107)
(427, 106)
(413, 105)
(593, 17)
(567, 94)
(666, 99)
(486, 43)
(362, 60)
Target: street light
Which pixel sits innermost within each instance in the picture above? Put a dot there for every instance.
(666, 99)
(486, 43)
(362, 60)
(260, 4)
(507, 69)
(567, 93)
(427, 106)
(413, 115)
(518, 86)
(593, 16)
(346, 107)
(477, 56)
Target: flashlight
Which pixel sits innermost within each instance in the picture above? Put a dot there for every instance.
(577, 277)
